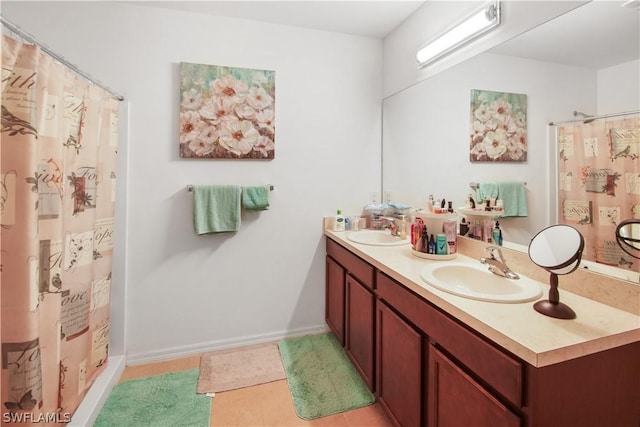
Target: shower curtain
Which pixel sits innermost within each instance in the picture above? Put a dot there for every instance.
(57, 182)
(599, 183)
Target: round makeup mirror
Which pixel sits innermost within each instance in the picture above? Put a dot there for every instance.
(628, 237)
(557, 249)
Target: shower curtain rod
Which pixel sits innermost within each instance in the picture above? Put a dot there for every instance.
(31, 39)
(590, 118)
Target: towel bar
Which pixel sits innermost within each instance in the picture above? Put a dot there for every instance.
(190, 187)
(476, 185)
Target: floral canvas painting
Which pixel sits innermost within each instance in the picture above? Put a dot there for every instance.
(226, 112)
(498, 127)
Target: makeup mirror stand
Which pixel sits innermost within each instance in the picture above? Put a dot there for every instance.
(553, 307)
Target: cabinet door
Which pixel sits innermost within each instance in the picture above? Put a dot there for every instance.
(398, 367)
(455, 399)
(360, 319)
(334, 298)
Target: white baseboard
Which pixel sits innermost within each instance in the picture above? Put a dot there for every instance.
(188, 350)
(94, 400)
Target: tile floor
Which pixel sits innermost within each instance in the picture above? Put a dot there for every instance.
(262, 405)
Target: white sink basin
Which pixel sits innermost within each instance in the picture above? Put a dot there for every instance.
(376, 238)
(476, 282)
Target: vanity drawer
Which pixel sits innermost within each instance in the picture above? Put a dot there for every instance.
(494, 367)
(358, 268)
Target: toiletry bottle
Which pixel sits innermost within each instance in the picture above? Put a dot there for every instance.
(441, 244)
(477, 230)
(496, 233)
(450, 206)
(500, 238)
(338, 221)
(430, 203)
(402, 225)
(464, 227)
(472, 203)
(425, 240)
(432, 245)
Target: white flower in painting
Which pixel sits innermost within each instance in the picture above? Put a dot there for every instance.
(219, 108)
(265, 119)
(507, 123)
(520, 119)
(191, 99)
(500, 107)
(239, 137)
(517, 144)
(208, 135)
(245, 111)
(200, 147)
(264, 145)
(258, 98)
(495, 143)
(228, 86)
(190, 126)
(482, 113)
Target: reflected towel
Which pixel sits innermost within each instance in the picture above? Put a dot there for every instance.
(256, 198)
(512, 194)
(216, 208)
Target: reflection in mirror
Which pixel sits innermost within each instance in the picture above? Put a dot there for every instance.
(426, 126)
(557, 249)
(628, 237)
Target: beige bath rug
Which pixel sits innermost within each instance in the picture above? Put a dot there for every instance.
(231, 369)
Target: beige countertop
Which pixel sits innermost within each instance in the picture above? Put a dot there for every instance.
(535, 338)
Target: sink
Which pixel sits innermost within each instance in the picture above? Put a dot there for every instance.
(376, 238)
(476, 282)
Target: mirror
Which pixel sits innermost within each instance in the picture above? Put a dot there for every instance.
(628, 237)
(557, 249)
(426, 126)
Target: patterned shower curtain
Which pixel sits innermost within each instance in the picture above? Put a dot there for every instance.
(57, 177)
(599, 183)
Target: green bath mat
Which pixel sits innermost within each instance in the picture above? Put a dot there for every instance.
(321, 378)
(157, 401)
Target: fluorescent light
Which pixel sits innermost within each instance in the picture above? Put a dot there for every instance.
(479, 23)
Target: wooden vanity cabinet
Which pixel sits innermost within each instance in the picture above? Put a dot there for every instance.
(334, 298)
(398, 367)
(454, 398)
(350, 307)
(433, 370)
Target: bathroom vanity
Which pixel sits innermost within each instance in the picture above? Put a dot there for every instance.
(433, 358)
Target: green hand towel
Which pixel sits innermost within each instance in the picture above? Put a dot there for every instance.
(216, 208)
(513, 195)
(256, 198)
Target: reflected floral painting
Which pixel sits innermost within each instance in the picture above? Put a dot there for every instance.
(226, 112)
(498, 127)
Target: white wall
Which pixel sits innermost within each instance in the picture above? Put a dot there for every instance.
(426, 133)
(187, 293)
(611, 99)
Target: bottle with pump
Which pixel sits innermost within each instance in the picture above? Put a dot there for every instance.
(497, 234)
(338, 223)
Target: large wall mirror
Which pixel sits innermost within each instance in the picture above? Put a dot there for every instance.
(587, 60)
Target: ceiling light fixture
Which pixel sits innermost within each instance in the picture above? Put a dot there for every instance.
(478, 23)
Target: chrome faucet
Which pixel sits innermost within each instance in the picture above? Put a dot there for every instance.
(497, 264)
(391, 224)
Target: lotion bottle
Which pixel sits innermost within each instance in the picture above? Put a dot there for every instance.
(338, 221)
